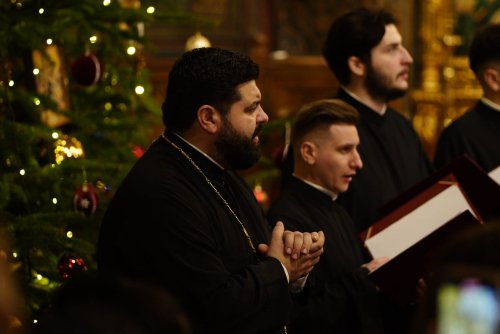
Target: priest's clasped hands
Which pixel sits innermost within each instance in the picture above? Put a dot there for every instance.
(297, 251)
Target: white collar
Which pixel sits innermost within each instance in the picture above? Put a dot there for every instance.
(330, 193)
(196, 148)
(490, 103)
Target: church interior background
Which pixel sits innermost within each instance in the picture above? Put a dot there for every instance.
(285, 37)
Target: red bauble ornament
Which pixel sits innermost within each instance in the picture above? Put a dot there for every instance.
(71, 265)
(87, 69)
(137, 151)
(85, 199)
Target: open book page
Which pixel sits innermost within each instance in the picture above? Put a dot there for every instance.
(419, 223)
(495, 174)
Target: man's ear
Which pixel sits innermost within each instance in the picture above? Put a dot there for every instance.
(356, 66)
(308, 152)
(209, 118)
(492, 78)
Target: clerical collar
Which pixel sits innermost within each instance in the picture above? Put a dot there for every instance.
(354, 96)
(325, 191)
(197, 149)
(490, 104)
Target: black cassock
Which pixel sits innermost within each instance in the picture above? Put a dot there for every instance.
(393, 160)
(166, 225)
(476, 134)
(343, 299)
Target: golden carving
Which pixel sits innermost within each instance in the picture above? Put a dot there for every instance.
(448, 86)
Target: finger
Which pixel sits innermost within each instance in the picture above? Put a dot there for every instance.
(263, 249)
(288, 239)
(298, 240)
(306, 242)
(314, 236)
(277, 234)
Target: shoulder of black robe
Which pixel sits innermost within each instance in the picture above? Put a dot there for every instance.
(165, 224)
(476, 134)
(343, 299)
(393, 161)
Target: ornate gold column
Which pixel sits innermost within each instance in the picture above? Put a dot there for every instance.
(448, 85)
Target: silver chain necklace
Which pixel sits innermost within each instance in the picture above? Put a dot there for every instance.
(245, 232)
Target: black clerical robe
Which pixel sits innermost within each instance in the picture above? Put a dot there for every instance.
(476, 134)
(393, 160)
(343, 299)
(166, 225)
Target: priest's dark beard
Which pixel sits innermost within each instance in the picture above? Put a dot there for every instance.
(378, 86)
(237, 151)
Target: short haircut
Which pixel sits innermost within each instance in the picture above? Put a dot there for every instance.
(321, 114)
(204, 76)
(355, 33)
(485, 47)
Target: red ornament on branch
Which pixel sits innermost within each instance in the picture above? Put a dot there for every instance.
(71, 265)
(87, 69)
(85, 199)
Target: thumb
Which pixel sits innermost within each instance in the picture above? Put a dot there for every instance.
(278, 230)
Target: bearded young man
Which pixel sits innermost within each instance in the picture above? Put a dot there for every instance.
(184, 219)
(373, 66)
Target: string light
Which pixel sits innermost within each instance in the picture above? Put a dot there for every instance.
(150, 10)
(55, 135)
(22, 172)
(108, 106)
(14, 255)
(106, 2)
(49, 41)
(39, 277)
(36, 71)
(35, 321)
(11, 83)
(93, 39)
(36, 101)
(41, 11)
(67, 147)
(139, 90)
(54, 200)
(69, 234)
(131, 50)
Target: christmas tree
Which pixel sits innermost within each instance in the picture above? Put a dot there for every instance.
(76, 111)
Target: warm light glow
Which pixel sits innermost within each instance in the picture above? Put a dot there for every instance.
(197, 41)
(22, 172)
(49, 41)
(139, 90)
(93, 39)
(53, 165)
(67, 147)
(150, 10)
(108, 106)
(131, 50)
(55, 135)
(11, 83)
(106, 2)
(54, 200)
(69, 234)
(14, 255)
(36, 71)
(39, 277)
(35, 321)
(37, 101)
(41, 11)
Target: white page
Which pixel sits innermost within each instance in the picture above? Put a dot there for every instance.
(495, 174)
(419, 223)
